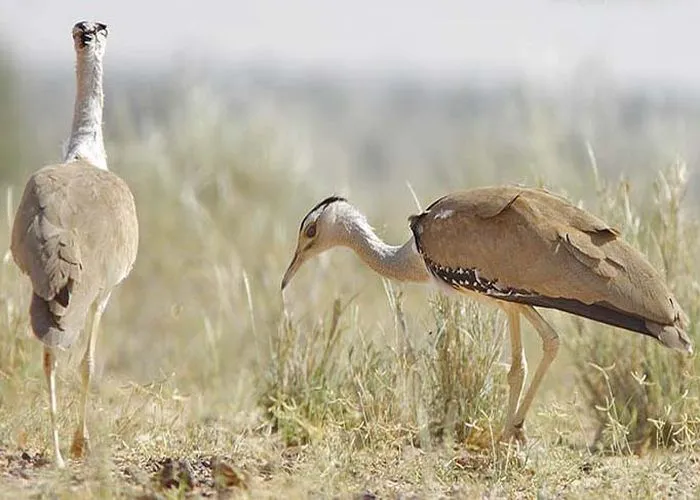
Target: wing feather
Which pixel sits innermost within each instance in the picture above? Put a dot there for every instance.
(528, 239)
(75, 233)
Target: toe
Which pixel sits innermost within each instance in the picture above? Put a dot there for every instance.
(513, 433)
(520, 437)
(80, 445)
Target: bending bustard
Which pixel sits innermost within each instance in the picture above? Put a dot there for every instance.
(521, 248)
(75, 233)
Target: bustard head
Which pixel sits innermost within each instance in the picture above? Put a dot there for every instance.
(322, 228)
(90, 37)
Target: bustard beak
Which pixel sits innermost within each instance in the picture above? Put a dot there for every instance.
(292, 269)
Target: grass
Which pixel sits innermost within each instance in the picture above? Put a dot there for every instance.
(210, 382)
(648, 397)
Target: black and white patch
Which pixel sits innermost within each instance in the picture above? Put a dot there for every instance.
(462, 279)
(469, 280)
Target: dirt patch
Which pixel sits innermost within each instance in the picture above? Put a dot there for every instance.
(199, 475)
(21, 464)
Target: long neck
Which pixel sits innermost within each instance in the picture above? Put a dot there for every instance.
(86, 141)
(401, 263)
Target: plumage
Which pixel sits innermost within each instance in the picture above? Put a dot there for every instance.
(519, 248)
(549, 253)
(75, 234)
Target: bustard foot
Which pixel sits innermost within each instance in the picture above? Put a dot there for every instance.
(81, 444)
(513, 433)
(59, 462)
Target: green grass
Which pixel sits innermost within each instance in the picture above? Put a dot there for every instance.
(348, 384)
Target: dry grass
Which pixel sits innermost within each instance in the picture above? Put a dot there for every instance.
(208, 385)
(647, 397)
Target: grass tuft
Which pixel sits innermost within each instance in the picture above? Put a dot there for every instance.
(422, 389)
(640, 393)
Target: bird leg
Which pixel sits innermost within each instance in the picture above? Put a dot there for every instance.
(50, 372)
(81, 442)
(516, 375)
(550, 346)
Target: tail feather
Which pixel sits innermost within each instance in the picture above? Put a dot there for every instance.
(672, 336)
(53, 324)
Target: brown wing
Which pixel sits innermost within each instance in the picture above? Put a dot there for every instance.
(541, 246)
(75, 233)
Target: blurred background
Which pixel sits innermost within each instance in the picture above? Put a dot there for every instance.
(230, 119)
(361, 93)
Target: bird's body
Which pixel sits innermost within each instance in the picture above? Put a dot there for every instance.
(75, 233)
(519, 248)
(531, 247)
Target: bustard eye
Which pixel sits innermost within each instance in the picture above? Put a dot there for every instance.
(310, 231)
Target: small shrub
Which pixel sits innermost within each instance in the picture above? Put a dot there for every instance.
(305, 377)
(421, 388)
(466, 384)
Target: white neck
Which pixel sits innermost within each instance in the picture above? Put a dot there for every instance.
(401, 263)
(86, 141)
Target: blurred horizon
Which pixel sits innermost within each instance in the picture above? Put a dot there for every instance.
(365, 97)
(544, 40)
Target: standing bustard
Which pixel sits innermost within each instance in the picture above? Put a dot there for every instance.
(521, 248)
(75, 233)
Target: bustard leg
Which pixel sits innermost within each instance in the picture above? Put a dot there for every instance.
(81, 442)
(50, 372)
(550, 346)
(518, 370)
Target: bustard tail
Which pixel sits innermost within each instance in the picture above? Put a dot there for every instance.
(53, 324)
(671, 335)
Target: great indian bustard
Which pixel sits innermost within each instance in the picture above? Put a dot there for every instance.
(75, 233)
(519, 248)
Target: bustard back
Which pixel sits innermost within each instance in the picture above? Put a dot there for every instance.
(521, 248)
(75, 233)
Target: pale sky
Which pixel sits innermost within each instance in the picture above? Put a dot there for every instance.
(647, 39)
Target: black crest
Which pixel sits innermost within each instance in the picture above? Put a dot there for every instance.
(322, 204)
